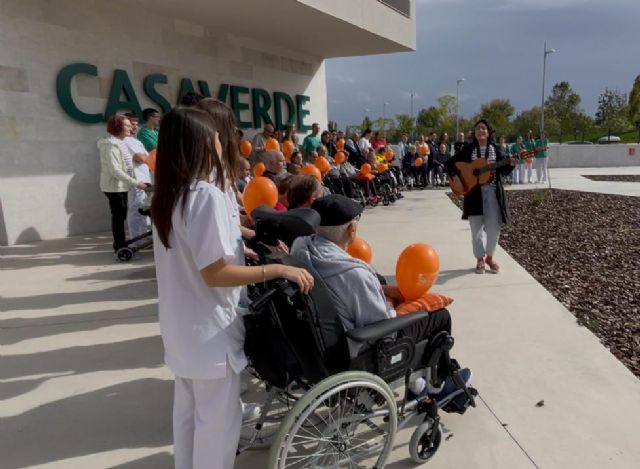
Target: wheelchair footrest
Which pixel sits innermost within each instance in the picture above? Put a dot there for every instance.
(460, 402)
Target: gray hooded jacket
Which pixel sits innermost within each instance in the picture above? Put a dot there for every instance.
(353, 285)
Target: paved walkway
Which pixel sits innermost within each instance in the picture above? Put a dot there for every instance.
(82, 383)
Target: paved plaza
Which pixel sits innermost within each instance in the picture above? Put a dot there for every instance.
(82, 382)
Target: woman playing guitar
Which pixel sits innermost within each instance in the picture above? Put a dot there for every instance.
(485, 205)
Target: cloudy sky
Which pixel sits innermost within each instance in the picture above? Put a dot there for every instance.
(497, 45)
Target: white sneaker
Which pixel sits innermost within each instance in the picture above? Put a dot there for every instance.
(250, 411)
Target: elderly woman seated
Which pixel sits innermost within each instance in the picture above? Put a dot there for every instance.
(354, 287)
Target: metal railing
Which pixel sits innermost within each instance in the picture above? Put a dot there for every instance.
(401, 6)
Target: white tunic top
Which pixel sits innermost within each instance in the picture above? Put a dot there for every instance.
(200, 326)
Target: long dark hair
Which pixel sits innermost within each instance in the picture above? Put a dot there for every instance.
(186, 153)
(225, 122)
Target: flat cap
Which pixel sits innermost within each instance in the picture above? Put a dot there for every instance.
(336, 209)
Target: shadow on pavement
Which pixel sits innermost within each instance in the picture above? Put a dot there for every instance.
(135, 414)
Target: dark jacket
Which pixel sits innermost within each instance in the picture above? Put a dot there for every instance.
(473, 200)
(355, 156)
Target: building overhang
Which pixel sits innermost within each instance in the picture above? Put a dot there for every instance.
(321, 28)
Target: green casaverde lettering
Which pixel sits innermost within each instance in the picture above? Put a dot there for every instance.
(287, 110)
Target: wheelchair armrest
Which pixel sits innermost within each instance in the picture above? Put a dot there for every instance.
(383, 328)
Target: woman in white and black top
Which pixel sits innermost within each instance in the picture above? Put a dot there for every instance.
(485, 206)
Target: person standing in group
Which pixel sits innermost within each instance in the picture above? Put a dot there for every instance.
(516, 152)
(484, 206)
(200, 269)
(378, 141)
(137, 223)
(461, 142)
(364, 144)
(433, 150)
(148, 133)
(310, 143)
(115, 178)
(258, 143)
(328, 142)
(291, 136)
(403, 147)
(542, 158)
(530, 145)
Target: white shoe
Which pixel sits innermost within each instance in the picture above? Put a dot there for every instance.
(250, 411)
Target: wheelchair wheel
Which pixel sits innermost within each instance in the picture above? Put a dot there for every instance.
(347, 420)
(124, 254)
(425, 441)
(385, 200)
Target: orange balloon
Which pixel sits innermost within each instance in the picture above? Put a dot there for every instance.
(245, 148)
(340, 157)
(419, 162)
(382, 167)
(259, 191)
(365, 168)
(417, 270)
(272, 145)
(340, 144)
(360, 249)
(323, 164)
(424, 149)
(389, 155)
(259, 169)
(312, 170)
(151, 160)
(287, 149)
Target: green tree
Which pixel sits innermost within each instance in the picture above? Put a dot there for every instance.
(530, 120)
(404, 125)
(447, 105)
(366, 123)
(634, 103)
(429, 119)
(564, 106)
(613, 111)
(498, 112)
(387, 124)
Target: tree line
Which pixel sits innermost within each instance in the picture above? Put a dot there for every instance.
(564, 118)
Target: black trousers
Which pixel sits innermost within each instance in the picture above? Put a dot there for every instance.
(118, 206)
(428, 327)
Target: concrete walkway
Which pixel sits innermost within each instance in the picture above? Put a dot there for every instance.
(82, 383)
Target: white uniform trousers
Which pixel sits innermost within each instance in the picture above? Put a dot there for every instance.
(528, 173)
(542, 170)
(520, 170)
(206, 422)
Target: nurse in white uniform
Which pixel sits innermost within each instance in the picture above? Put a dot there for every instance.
(200, 270)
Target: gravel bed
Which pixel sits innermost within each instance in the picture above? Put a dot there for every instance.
(590, 259)
(613, 177)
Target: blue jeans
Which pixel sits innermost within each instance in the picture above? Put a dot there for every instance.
(488, 223)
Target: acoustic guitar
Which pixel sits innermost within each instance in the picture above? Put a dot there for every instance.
(477, 173)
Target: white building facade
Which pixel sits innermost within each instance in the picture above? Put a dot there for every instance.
(67, 65)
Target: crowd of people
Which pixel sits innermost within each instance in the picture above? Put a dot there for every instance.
(202, 166)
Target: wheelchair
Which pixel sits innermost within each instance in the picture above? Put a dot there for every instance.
(325, 407)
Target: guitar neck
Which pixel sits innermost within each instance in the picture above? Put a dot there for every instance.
(496, 165)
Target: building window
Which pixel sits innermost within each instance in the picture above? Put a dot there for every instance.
(401, 6)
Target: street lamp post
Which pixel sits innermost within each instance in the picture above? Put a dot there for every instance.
(458, 81)
(384, 115)
(544, 72)
(412, 121)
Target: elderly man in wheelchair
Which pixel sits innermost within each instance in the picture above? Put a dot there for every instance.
(354, 373)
